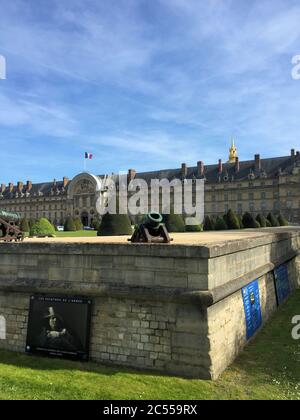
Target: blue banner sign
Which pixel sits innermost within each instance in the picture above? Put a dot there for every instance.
(252, 308)
(282, 283)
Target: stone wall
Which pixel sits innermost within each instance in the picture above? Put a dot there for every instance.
(176, 309)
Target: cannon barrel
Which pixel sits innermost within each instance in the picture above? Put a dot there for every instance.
(9, 216)
(153, 220)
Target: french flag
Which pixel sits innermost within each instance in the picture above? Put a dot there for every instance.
(88, 155)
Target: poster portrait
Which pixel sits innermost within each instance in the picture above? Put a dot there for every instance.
(59, 326)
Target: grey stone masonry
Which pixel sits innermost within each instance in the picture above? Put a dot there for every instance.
(171, 308)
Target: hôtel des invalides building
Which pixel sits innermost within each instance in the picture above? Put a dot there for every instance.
(257, 186)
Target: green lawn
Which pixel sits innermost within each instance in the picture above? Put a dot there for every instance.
(269, 368)
(78, 234)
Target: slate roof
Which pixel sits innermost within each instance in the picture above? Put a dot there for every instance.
(270, 168)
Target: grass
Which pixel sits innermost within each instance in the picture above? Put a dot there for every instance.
(78, 234)
(269, 368)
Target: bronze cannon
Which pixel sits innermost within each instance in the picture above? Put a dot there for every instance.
(9, 229)
(152, 230)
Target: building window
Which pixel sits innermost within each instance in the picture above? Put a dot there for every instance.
(226, 208)
(276, 194)
(240, 208)
(251, 207)
(263, 195)
(226, 197)
(263, 206)
(276, 206)
(239, 196)
(251, 196)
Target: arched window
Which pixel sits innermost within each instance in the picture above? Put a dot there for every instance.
(2, 328)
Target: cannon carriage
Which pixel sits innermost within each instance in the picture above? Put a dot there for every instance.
(9, 229)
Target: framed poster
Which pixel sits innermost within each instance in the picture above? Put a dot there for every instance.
(59, 326)
(252, 308)
(282, 283)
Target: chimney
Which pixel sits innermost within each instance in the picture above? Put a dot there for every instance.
(293, 152)
(65, 181)
(220, 167)
(3, 188)
(237, 164)
(200, 167)
(257, 162)
(297, 155)
(131, 174)
(20, 186)
(11, 187)
(183, 170)
(28, 186)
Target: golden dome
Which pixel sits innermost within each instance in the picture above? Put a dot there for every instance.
(232, 153)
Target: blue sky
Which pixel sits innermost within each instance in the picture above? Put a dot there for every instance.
(144, 84)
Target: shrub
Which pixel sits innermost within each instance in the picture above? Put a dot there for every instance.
(114, 225)
(78, 224)
(174, 222)
(42, 227)
(232, 220)
(268, 223)
(24, 225)
(240, 218)
(261, 220)
(220, 224)
(194, 228)
(249, 222)
(31, 222)
(282, 221)
(209, 223)
(272, 219)
(69, 225)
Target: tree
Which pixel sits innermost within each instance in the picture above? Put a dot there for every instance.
(232, 220)
(69, 225)
(268, 223)
(261, 220)
(42, 227)
(78, 224)
(220, 224)
(209, 224)
(282, 221)
(24, 225)
(114, 225)
(272, 219)
(249, 222)
(174, 222)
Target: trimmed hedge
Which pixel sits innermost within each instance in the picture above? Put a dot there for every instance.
(194, 228)
(42, 227)
(70, 225)
(24, 225)
(114, 225)
(78, 224)
(282, 221)
(272, 219)
(174, 222)
(261, 220)
(232, 220)
(209, 223)
(249, 222)
(220, 224)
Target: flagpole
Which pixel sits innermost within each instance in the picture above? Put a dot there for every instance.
(84, 164)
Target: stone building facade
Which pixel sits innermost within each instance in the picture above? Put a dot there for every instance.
(257, 186)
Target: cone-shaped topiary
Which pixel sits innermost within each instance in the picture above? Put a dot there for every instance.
(268, 223)
(261, 220)
(240, 217)
(24, 225)
(282, 221)
(221, 224)
(114, 225)
(272, 219)
(209, 223)
(42, 227)
(174, 222)
(232, 220)
(78, 224)
(194, 228)
(69, 225)
(249, 222)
